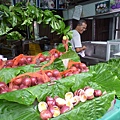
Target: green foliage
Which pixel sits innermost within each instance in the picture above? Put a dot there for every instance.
(15, 111)
(14, 36)
(21, 16)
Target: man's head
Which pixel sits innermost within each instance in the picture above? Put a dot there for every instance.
(81, 26)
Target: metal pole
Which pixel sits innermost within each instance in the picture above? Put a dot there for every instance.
(113, 28)
(93, 29)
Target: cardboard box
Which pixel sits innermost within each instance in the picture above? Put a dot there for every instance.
(34, 48)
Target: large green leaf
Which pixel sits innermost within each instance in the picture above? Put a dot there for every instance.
(72, 55)
(58, 64)
(81, 80)
(99, 68)
(15, 111)
(107, 75)
(20, 96)
(108, 81)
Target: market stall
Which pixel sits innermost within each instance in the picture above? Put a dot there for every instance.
(55, 85)
(22, 102)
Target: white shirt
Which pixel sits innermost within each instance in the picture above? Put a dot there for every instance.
(76, 42)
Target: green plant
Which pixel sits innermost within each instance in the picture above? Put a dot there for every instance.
(19, 17)
(14, 36)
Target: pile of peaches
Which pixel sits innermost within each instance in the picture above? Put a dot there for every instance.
(53, 107)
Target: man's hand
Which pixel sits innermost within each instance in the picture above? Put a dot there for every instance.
(84, 47)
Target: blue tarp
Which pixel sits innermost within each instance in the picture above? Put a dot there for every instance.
(113, 114)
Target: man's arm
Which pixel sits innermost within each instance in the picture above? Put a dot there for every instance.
(79, 49)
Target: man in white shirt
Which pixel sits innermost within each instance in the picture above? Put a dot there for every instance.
(76, 39)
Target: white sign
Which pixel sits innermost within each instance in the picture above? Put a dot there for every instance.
(77, 12)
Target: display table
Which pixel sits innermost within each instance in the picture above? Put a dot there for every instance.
(117, 55)
(113, 114)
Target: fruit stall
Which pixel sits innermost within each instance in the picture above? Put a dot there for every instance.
(55, 85)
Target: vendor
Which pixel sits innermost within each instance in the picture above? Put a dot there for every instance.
(76, 39)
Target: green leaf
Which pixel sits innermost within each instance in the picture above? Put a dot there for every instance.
(70, 55)
(81, 81)
(14, 20)
(62, 24)
(48, 13)
(20, 96)
(59, 89)
(15, 111)
(107, 76)
(58, 64)
(99, 68)
(66, 30)
(69, 35)
(47, 20)
(57, 16)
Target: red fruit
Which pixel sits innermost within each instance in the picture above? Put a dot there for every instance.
(50, 101)
(3, 91)
(55, 110)
(49, 98)
(22, 61)
(76, 72)
(27, 81)
(1, 61)
(15, 87)
(18, 81)
(2, 84)
(47, 58)
(73, 68)
(82, 65)
(60, 102)
(42, 59)
(49, 74)
(56, 55)
(45, 115)
(60, 53)
(40, 81)
(56, 73)
(77, 65)
(9, 63)
(64, 109)
(34, 81)
(29, 60)
(22, 86)
(97, 93)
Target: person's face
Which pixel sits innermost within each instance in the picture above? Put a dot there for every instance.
(82, 28)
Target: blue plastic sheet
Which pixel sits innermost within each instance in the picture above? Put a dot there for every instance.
(113, 114)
